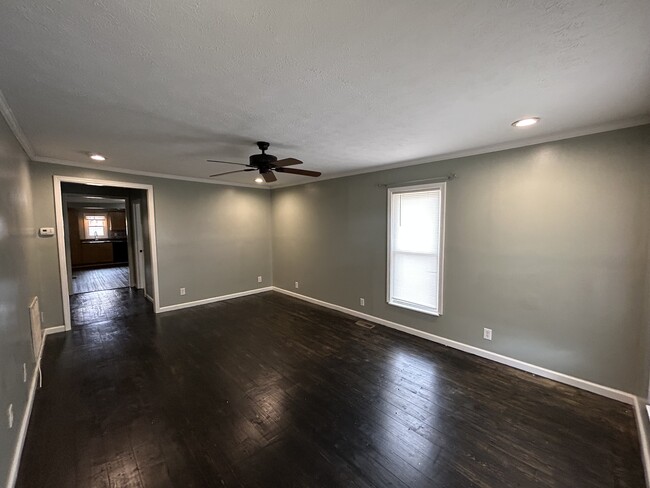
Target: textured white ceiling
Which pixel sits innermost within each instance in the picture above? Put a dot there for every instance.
(160, 86)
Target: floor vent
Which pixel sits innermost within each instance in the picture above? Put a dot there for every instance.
(365, 324)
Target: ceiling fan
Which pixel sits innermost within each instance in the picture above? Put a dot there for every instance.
(266, 164)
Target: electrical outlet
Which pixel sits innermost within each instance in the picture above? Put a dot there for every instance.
(182, 291)
(259, 279)
(487, 334)
(297, 285)
(10, 415)
(362, 302)
(24, 372)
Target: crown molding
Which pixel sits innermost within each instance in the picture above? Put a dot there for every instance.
(611, 126)
(9, 116)
(113, 169)
(24, 142)
(13, 124)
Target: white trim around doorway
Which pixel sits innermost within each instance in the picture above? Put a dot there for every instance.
(60, 236)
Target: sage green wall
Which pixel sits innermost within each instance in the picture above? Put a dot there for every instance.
(546, 245)
(212, 239)
(18, 283)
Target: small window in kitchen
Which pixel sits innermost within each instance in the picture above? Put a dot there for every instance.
(95, 226)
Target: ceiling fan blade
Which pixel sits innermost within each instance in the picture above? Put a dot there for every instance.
(287, 162)
(269, 177)
(231, 172)
(302, 172)
(225, 162)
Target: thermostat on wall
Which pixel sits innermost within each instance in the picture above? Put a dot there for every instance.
(46, 231)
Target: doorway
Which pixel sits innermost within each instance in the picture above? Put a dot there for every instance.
(106, 239)
(97, 239)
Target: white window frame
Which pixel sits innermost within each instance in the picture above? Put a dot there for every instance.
(442, 187)
(94, 218)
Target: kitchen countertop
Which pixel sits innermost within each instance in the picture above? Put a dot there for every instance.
(103, 241)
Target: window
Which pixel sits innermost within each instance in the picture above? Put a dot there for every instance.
(95, 226)
(415, 247)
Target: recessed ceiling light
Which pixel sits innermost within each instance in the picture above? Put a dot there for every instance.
(97, 157)
(259, 179)
(525, 122)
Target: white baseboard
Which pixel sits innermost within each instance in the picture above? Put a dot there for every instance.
(499, 358)
(205, 301)
(22, 433)
(148, 297)
(640, 412)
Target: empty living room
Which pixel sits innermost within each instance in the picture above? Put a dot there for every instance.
(325, 244)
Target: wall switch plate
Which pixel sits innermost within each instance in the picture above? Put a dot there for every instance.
(362, 302)
(487, 334)
(182, 291)
(297, 285)
(24, 372)
(259, 279)
(10, 415)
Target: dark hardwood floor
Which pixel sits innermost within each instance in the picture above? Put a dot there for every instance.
(268, 391)
(106, 305)
(87, 280)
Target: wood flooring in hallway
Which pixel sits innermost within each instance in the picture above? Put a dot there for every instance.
(87, 280)
(269, 391)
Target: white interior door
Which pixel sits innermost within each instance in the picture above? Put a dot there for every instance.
(68, 251)
(139, 245)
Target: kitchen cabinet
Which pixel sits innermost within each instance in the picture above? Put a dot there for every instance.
(74, 225)
(117, 220)
(96, 252)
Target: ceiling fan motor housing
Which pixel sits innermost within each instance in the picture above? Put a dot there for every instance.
(262, 161)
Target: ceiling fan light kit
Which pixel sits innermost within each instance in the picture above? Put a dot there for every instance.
(266, 165)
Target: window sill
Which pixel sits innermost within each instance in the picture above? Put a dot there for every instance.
(414, 307)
